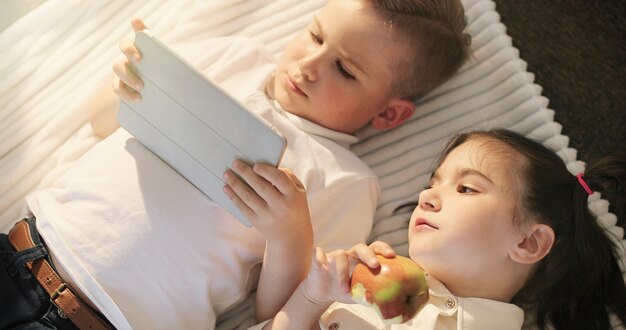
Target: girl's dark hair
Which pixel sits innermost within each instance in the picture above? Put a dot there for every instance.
(579, 282)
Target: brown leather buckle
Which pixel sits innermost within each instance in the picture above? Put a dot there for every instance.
(55, 294)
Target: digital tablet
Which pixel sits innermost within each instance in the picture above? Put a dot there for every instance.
(192, 124)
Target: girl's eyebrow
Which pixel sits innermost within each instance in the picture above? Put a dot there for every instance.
(471, 171)
(463, 173)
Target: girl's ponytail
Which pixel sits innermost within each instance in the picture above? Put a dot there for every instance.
(607, 175)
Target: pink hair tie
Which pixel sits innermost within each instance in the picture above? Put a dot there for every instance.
(583, 183)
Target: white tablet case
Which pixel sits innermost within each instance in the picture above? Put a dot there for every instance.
(192, 124)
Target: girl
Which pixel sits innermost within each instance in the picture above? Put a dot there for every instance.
(503, 226)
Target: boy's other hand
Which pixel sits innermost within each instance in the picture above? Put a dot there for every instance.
(126, 83)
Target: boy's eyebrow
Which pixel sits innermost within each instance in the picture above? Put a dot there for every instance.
(343, 55)
(351, 61)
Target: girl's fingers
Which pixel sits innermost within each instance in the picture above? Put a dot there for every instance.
(363, 253)
(341, 259)
(367, 254)
(382, 248)
(320, 260)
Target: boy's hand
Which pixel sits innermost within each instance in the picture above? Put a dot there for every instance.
(126, 84)
(329, 277)
(273, 199)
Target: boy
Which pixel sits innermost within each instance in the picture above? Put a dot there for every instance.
(144, 247)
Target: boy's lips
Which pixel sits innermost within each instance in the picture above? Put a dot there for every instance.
(293, 86)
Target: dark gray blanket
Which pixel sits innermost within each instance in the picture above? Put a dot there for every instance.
(577, 51)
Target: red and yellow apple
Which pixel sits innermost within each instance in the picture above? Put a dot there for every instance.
(397, 290)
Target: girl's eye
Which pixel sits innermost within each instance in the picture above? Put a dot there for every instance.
(316, 37)
(466, 190)
(343, 71)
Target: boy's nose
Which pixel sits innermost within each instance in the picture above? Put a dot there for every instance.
(428, 200)
(309, 76)
(309, 71)
(309, 66)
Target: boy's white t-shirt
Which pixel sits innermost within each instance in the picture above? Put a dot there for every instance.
(152, 251)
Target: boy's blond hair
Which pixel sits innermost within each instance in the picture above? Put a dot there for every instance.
(437, 45)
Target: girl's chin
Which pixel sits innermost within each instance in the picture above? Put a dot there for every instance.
(420, 251)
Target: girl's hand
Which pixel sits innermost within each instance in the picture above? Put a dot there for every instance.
(329, 277)
(367, 253)
(274, 201)
(126, 83)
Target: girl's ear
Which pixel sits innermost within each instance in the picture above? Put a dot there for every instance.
(395, 113)
(534, 245)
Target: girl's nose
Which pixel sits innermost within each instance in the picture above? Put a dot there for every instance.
(429, 200)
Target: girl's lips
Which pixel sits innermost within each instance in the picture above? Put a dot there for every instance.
(293, 86)
(423, 224)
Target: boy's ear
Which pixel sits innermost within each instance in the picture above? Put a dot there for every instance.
(534, 245)
(396, 112)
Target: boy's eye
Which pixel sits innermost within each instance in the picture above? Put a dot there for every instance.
(343, 71)
(316, 37)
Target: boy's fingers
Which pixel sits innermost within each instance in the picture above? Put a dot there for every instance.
(137, 24)
(256, 181)
(129, 50)
(293, 177)
(127, 76)
(283, 179)
(244, 198)
(239, 203)
(124, 92)
(243, 191)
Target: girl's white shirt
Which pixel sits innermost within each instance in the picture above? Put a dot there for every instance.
(444, 311)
